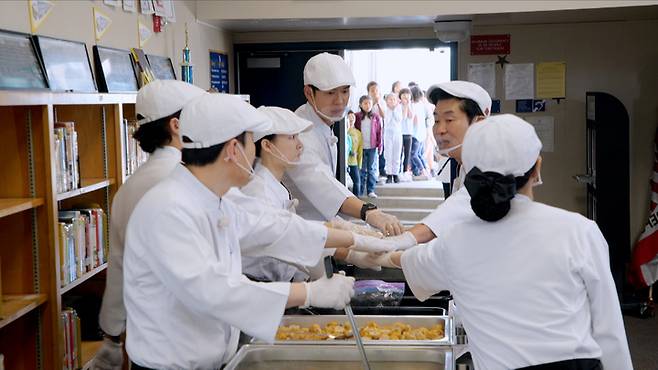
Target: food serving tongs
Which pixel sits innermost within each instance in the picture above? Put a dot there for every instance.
(329, 270)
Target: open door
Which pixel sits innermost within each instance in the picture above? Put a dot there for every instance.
(608, 177)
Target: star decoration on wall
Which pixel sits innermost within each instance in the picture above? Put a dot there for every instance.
(502, 60)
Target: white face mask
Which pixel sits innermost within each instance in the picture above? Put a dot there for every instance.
(280, 156)
(329, 118)
(250, 170)
(447, 151)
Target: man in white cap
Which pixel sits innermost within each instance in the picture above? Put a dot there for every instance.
(327, 81)
(458, 105)
(185, 294)
(158, 108)
(545, 270)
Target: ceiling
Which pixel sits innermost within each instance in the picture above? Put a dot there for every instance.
(550, 17)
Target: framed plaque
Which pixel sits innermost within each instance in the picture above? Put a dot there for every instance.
(114, 70)
(162, 67)
(219, 70)
(66, 63)
(20, 66)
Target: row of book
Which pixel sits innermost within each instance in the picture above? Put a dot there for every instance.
(82, 242)
(134, 155)
(67, 166)
(71, 339)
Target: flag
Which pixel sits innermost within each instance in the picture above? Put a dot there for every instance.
(644, 263)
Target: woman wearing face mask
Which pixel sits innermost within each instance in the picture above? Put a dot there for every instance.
(278, 150)
(546, 270)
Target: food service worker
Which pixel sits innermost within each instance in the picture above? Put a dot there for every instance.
(158, 108)
(185, 295)
(327, 82)
(532, 282)
(458, 106)
(278, 150)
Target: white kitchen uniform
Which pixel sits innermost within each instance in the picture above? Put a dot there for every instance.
(161, 162)
(455, 209)
(266, 188)
(393, 140)
(313, 180)
(184, 293)
(534, 287)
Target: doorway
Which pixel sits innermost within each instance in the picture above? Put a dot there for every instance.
(272, 74)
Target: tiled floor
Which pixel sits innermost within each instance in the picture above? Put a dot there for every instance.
(643, 342)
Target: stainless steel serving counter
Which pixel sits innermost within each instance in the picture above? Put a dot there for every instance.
(340, 357)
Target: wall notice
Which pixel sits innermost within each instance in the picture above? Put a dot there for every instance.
(551, 80)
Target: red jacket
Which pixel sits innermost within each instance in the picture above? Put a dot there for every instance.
(375, 129)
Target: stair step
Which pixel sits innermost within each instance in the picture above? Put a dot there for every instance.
(405, 202)
(408, 214)
(399, 191)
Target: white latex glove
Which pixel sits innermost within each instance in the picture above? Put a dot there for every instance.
(363, 260)
(330, 293)
(384, 260)
(340, 224)
(108, 357)
(369, 244)
(388, 224)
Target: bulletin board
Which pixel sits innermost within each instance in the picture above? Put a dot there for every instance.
(219, 70)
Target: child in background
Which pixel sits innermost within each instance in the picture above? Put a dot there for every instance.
(370, 124)
(407, 131)
(355, 153)
(393, 138)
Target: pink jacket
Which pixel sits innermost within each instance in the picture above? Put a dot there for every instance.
(375, 129)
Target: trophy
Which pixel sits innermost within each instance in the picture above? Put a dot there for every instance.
(187, 74)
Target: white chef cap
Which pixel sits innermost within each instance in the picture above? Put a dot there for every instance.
(213, 119)
(284, 122)
(327, 71)
(464, 89)
(162, 98)
(504, 143)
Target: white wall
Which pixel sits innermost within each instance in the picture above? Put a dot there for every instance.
(73, 20)
(302, 9)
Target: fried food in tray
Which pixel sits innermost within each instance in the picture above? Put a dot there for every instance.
(372, 331)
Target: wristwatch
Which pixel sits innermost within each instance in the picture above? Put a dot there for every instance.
(113, 338)
(365, 208)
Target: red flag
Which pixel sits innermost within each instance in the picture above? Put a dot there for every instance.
(644, 263)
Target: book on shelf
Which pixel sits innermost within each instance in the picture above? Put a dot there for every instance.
(67, 159)
(71, 338)
(134, 155)
(82, 242)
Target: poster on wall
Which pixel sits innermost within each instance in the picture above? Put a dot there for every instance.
(129, 6)
(146, 7)
(159, 7)
(483, 74)
(520, 81)
(111, 2)
(551, 80)
(219, 70)
(39, 11)
(101, 23)
(144, 33)
(169, 11)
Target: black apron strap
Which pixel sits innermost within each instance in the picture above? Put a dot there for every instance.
(575, 364)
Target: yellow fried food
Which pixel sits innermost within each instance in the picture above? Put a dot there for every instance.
(371, 331)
